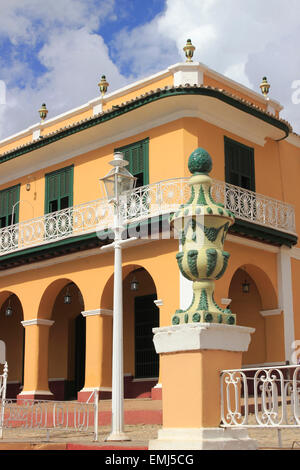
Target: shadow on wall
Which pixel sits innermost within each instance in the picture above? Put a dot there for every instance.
(267, 343)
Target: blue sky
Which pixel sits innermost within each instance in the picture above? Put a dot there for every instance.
(56, 52)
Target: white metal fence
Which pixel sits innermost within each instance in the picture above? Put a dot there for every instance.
(267, 397)
(22, 416)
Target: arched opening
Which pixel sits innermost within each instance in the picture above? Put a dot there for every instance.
(253, 295)
(141, 315)
(13, 335)
(67, 341)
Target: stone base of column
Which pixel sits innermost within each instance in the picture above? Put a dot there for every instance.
(203, 439)
(35, 395)
(85, 394)
(156, 392)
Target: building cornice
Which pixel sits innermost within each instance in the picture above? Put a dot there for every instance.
(167, 92)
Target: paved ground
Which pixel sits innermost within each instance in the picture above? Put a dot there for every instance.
(139, 434)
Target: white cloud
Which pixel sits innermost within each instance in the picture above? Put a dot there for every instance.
(73, 56)
(30, 20)
(240, 38)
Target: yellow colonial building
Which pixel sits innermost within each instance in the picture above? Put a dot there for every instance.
(56, 283)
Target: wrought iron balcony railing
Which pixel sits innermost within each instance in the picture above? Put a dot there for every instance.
(144, 202)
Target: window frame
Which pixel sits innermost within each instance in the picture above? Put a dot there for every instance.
(52, 173)
(250, 150)
(145, 144)
(16, 212)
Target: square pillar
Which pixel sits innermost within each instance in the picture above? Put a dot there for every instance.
(36, 360)
(98, 360)
(192, 358)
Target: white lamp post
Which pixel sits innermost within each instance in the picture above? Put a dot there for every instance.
(116, 182)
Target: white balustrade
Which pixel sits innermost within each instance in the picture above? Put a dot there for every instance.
(267, 397)
(152, 200)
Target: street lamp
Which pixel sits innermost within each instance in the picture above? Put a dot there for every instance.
(116, 182)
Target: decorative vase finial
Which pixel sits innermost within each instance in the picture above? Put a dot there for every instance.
(203, 225)
(189, 50)
(43, 111)
(103, 85)
(265, 87)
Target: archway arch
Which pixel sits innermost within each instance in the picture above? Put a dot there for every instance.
(140, 315)
(62, 302)
(12, 333)
(254, 309)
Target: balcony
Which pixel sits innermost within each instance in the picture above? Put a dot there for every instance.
(153, 200)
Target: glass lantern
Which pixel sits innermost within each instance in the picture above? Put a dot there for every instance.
(118, 180)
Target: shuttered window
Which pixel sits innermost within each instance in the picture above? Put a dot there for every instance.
(137, 155)
(239, 165)
(59, 190)
(9, 209)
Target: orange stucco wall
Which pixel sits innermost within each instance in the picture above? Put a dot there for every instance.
(191, 387)
(276, 170)
(169, 148)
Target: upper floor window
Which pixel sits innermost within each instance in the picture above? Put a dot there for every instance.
(137, 155)
(9, 207)
(239, 165)
(59, 190)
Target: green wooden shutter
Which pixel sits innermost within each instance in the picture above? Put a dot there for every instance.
(59, 190)
(137, 155)
(239, 165)
(8, 208)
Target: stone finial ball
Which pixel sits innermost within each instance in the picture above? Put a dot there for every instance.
(200, 162)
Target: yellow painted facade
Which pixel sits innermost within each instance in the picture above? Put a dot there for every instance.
(44, 363)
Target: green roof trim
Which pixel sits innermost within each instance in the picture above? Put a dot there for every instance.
(142, 101)
(263, 234)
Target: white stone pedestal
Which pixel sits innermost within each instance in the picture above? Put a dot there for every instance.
(192, 357)
(203, 439)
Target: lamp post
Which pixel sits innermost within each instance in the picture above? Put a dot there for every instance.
(116, 182)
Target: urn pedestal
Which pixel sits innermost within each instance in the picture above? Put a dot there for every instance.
(204, 339)
(191, 359)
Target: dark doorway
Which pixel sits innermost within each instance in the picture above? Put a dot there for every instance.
(146, 318)
(80, 329)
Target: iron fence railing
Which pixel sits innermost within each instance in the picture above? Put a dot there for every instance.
(267, 397)
(148, 201)
(34, 416)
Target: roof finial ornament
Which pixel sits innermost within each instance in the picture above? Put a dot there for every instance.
(189, 50)
(103, 85)
(43, 111)
(265, 86)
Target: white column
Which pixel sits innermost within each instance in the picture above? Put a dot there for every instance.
(117, 433)
(285, 298)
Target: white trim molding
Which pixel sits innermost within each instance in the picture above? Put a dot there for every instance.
(285, 299)
(226, 302)
(295, 253)
(158, 385)
(99, 389)
(191, 337)
(187, 73)
(36, 392)
(37, 321)
(270, 313)
(98, 311)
